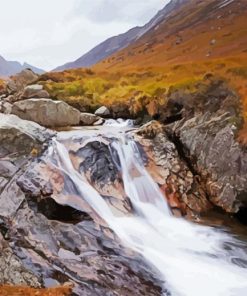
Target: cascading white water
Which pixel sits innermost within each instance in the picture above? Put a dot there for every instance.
(193, 260)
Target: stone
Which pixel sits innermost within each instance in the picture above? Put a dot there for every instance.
(99, 122)
(103, 112)
(5, 107)
(20, 80)
(34, 91)
(47, 112)
(88, 119)
(216, 156)
(170, 170)
(20, 137)
(10, 200)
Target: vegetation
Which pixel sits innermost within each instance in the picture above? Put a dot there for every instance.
(194, 43)
(2, 85)
(26, 291)
(89, 90)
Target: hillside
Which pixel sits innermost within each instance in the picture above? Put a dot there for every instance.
(8, 68)
(116, 43)
(195, 31)
(188, 43)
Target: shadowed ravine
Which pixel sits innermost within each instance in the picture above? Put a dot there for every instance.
(191, 259)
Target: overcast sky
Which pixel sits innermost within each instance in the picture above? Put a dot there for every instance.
(48, 33)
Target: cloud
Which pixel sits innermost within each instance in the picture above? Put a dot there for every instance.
(49, 33)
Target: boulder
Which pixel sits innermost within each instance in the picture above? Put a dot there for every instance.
(19, 81)
(19, 136)
(217, 157)
(5, 107)
(18, 141)
(88, 119)
(103, 112)
(34, 91)
(47, 112)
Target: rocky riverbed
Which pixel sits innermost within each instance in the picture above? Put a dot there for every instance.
(49, 236)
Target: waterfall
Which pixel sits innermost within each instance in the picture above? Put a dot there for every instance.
(193, 260)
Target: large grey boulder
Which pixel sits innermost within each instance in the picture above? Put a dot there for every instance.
(34, 91)
(217, 157)
(103, 112)
(47, 112)
(20, 136)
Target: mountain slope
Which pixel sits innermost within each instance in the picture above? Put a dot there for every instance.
(197, 30)
(8, 68)
(191, 43)
(116, 43)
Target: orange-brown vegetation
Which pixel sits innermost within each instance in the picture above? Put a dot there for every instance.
(198, 31)
(2, 85)
(200, 38)
(26, 291)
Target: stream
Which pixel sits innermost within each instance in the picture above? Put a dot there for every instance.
(191, 259)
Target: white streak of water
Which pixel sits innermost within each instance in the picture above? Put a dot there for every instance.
(192, 259)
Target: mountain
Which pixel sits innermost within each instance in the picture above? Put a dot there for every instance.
(8, 68)
(191, 31)
(116, 43)
(185, 46)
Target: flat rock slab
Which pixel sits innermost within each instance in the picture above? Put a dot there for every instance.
(10, 200)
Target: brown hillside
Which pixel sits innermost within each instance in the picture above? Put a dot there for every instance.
(196, 39)
(197, 31)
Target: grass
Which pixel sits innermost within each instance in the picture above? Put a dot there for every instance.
(92, 89)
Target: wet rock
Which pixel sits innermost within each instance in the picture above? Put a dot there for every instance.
(99, 122)
(11, 268)
(217, 157)
(181, 187)
(89, 119)
(120, 111)
(103, 112)
(10, 200)
(91, 258)
(47, 112)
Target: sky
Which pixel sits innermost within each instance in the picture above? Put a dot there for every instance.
(49, 33)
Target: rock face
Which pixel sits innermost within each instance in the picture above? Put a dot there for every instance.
(19, 141)
(181, 185)
(11, 268)
(103, 112)
(204, 129)
(47, 112)
(46, 242)
(217, 157)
